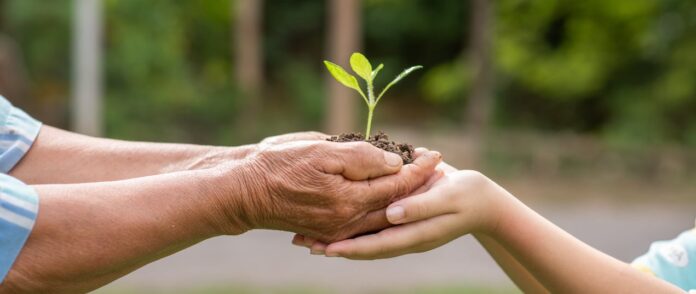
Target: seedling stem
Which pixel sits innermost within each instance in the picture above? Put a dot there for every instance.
(363, 68)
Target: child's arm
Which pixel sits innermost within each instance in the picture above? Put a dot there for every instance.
(512, 268)
(467, 202)
(524, 280)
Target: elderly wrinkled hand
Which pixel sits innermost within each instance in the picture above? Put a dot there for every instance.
(324, 190)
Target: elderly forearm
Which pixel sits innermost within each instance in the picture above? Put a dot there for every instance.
(87, 235)
(59, 156)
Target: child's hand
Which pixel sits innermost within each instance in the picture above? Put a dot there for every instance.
(462, 202)
(458, 203)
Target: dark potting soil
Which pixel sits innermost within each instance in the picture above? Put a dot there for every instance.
(379, 140)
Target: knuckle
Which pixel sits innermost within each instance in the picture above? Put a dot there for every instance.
(420, 172)
(402, 187)
(362, 149)
(417, 210)
(345, 212)
(363, 146)
(266, 155)
(320, 155)
(476, 175)
(472, 179)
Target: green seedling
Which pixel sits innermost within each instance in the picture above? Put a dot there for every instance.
(363, 68)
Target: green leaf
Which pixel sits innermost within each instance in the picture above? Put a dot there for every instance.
(376, 71)
(398, 78)
(344, 77)
(341, 75)
(361, 66)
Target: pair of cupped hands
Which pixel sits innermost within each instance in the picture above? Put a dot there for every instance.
(354, 200)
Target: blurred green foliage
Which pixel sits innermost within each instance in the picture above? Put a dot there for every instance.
(624, 70)
(618, 68)
(167, 69)
(43, 33)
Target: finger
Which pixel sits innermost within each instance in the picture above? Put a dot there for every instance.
(409, 238)
(382, 191)
(419, 151)
(359, 161)
(434, 178)
(308, 241)
(298, 240)
(373, 222)
(444, 166)
(318, 248)
(426, 205)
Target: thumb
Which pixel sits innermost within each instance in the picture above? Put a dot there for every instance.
(419, 207)
(359, 161)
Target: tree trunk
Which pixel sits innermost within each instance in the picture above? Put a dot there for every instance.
(13, 77)
(248, 47)
(248, 58)
(87, 68)
(480, 62)
(344, 32)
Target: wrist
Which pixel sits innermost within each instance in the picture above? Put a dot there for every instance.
(201, 202)
(215, 156)
(507, 214)
(240, 152)
(497, 204)
(235, 196)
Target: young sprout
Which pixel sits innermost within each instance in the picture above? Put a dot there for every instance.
(363, 68)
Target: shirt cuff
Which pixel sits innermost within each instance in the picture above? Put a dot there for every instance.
(18, 131)
(673, 260)
(19, 205)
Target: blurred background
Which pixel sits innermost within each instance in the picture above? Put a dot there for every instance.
(586, 110)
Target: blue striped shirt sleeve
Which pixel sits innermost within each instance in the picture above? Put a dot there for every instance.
(19, 203)
(17, 132)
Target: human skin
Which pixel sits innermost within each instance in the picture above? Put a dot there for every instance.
(62, 157)
(536, 254)
(88, 234)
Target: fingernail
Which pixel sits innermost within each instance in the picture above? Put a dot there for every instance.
(395, 213)
(309, 241)
(392, 159)
(331, 254)
(316, 252)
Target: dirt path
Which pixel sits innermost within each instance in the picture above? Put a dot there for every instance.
(266, 258)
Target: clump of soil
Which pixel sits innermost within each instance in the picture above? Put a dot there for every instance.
(379, 140)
